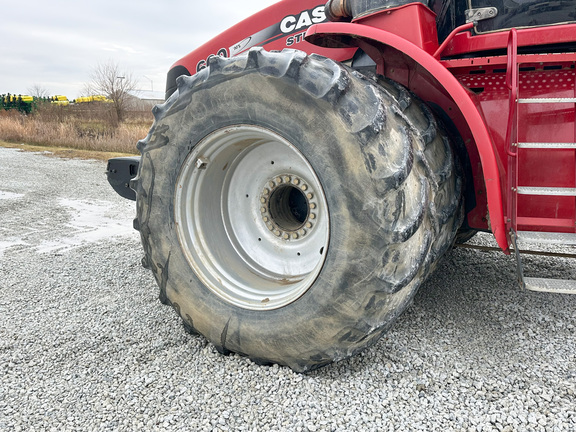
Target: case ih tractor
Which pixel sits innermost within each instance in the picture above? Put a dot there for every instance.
(312, 164)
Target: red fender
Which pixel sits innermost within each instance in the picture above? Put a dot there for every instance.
(341, 35)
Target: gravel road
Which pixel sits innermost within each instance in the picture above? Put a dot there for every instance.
(85, 344)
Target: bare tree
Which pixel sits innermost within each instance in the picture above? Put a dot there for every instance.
(109, 80)
(38, 91)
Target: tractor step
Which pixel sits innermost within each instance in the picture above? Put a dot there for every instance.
(547, 191)
(557, 286)
(546, 145)
(530, 237)
(547, 100)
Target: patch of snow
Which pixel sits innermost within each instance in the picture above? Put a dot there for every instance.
(10, 195)
(90, 222)
(8, 242)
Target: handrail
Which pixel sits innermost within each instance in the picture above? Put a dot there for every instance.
(512, 84)
(453, 33)
(512, 77)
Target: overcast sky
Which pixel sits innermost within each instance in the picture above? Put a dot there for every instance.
(56, 44)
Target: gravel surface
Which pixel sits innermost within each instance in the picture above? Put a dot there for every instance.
(85, 344)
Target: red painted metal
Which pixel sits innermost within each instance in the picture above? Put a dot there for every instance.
(422, 28)
(438, 53)
(279, 26)
(480, 63)
(426, 76)
(539, 76)
(536, 223)
(466, 43)
(475, 79)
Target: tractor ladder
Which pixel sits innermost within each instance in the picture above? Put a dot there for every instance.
(532, 183)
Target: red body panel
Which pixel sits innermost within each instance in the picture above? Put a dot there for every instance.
(472, 91)
(395, 21)
(282, 25)
(465, 43)
(553, 76)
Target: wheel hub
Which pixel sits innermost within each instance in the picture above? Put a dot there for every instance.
(288, 206)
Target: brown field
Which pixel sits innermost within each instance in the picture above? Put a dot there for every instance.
(67, 129)
(63, 152)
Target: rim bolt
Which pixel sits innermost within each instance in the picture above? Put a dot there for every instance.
(304, 187)
(271, 184)
(312, 216)
(286, 179)
(266, 191)
(277, 233)
(308, 225)
(312, 205)
(285, 236)
(296, 181)
(263, 209)
(265, 218)
(270, 226)
(302, 232)
(262, 200)
(310, 196)
(295, 236)
(278, 180)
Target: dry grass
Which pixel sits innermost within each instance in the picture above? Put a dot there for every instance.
(63, 152)
(89, 131)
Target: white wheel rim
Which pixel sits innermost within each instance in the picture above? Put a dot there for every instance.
(251, 217)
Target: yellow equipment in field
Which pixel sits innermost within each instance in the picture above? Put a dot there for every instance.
(95, 98)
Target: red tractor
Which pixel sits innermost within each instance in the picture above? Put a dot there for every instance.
(312, 164)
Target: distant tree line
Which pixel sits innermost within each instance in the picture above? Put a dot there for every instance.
(109, 84)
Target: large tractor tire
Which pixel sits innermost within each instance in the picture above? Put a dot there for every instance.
(290, 207)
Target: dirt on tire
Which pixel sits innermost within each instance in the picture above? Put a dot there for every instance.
(386, 168)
